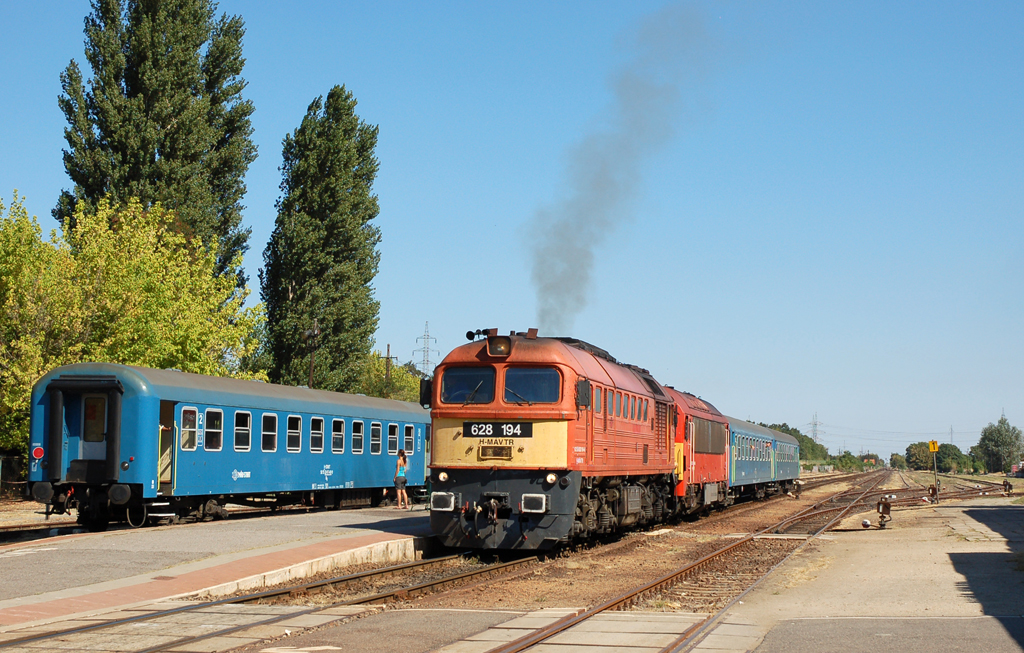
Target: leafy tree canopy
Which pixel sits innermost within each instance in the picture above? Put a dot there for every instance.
(809, 449)
(162, 119)
(125, 286)
(897, 461)
(1001, 445)
(322, 255)
(374, 380)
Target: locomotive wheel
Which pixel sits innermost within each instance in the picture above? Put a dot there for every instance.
(136, 515)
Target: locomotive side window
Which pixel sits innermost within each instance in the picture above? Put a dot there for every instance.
(294, 442)
(467, 385)
(597, 399)
(189, 417)
(357, 437)
(316, 434)
(338, 436)
(375, 431)
(269, 440)
(393, 439)
(632, 408)
(608, 399)
(410, 441)
(618, 404)
(243, 424)
(214, 430)
(532, 385)
(645, 410)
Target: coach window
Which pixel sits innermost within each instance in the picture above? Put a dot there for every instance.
(188, 429)
(214, 430)
(294, 442)
(393, 439)
(316, 434)
(243, 424)
(410, 439)
(338, 436)
(375, 431)
(269, 442)
(357, 437)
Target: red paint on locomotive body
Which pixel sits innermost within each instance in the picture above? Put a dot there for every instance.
(627, 434)
(700, 466)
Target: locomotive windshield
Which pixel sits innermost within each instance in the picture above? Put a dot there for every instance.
(467, 385)
(532, 385)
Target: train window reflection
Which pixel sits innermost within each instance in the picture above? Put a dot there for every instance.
(532, 385)
(467, 385)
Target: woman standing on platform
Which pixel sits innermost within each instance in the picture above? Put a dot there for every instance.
(400, 480)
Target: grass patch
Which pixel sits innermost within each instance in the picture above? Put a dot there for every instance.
(1019, 501)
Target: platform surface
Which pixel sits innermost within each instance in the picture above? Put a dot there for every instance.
(77, 574)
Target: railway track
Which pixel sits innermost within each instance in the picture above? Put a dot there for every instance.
(739, 581)
(84, 636)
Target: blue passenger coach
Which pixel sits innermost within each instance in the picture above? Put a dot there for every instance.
(123, 442)
(761, 461)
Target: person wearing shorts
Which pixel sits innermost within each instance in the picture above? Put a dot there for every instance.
(400, 480)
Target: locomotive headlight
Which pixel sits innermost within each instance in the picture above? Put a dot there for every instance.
(499, 346)
(443, 476)
(551, 478)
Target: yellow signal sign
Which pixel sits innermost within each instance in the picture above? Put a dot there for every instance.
(933, 446)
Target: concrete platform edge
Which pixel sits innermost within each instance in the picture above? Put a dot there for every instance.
(391, 551)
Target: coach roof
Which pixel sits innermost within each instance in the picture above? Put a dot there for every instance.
(185, 387)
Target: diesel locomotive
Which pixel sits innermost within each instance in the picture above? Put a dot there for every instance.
(540, 441)
(117, 442)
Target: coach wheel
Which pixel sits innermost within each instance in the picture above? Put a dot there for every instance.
(136, 515)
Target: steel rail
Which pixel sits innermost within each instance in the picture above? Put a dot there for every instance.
(624, 600)
(248, 598)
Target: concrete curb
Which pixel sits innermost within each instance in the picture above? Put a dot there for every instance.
(390, 552)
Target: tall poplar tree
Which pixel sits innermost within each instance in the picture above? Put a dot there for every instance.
(322, 256)
(162, 119)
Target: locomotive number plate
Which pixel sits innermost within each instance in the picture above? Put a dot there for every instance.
(498, 429)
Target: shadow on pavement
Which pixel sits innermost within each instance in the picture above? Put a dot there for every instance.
(996, 580)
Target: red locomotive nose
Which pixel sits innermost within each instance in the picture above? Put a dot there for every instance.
(37, 453)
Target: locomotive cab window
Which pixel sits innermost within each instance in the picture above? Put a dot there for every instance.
(467, 385)
(532, 385)
(214, 430)
(268, 441)
(243, 424)
(316, 434)
(357, 437)
(338, 436)
(375, 432)
(189, 428)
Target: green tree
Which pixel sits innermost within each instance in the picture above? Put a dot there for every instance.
(847, 462)
(950, 459)
(162, 119)
(897, 461)
(918, 456)
(1000, 445)
(322, 255)
(125, 286)
(375, 381)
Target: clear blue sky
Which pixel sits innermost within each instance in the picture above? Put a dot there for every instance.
(833, 225)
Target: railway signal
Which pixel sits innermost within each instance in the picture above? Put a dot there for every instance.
(933, 446)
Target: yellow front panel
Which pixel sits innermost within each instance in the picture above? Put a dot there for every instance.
(548, 448)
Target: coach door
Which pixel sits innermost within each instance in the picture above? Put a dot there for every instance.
(94, 428)
(166, 468)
